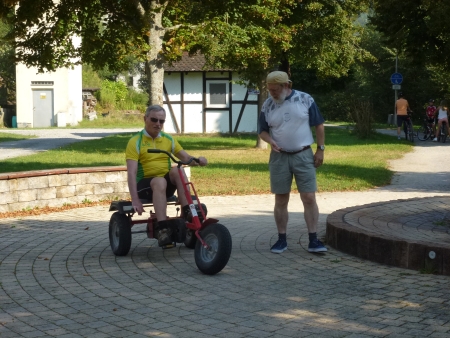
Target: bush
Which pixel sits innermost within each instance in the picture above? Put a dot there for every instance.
(113, 92)
(133, 101)
(362, 115)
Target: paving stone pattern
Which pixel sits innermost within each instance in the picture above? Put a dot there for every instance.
(59, 277)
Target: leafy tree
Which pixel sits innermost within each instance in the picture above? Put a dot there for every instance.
(251, 36)
(7, 69)
(419, 28)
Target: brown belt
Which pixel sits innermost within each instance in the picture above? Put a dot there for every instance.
(295, 151)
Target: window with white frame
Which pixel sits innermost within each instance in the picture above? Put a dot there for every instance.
(217, 94)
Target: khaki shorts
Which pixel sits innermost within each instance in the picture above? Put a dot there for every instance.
(285, 166)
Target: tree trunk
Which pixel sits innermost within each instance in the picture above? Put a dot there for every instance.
(260, 144)
(155, 59)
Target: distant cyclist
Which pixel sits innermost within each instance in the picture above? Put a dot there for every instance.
(431, 114)
(431, 111)
(442, 116)
(402, 109)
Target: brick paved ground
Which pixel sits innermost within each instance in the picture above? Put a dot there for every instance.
(59, 277)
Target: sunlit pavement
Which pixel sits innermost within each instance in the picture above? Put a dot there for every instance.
(59, 277)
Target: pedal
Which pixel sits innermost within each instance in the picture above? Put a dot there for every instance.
(169, 246)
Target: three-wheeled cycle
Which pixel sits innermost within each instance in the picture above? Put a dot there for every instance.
(210, 240)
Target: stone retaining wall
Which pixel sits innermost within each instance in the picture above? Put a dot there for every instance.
(53, 188)
(57, 187)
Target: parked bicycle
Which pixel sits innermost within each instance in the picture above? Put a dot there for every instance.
(425, 132)
(409, 128)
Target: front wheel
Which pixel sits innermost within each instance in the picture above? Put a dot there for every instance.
(410, 132)
(423, 133)
(212, 260)
(119, 234)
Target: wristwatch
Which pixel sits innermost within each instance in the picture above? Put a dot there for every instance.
(321, 147)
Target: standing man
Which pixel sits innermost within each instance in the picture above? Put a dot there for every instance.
(402, 109)
(150, 176)
(285, 123)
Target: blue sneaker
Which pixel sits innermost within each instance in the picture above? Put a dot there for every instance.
(316, 246)
(279, 247)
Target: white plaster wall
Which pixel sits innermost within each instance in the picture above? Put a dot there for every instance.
(217, 121)
(193, 118)
(67, 92)
(249, 119)
(193, 86)
(169, 126)
(173, 86)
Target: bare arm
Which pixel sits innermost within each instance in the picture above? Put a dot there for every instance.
(265, 136)
(132, 186)
(185, 157)
(320, 140)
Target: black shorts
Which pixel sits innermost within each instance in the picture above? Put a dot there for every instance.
(145, 191)
(400, 119)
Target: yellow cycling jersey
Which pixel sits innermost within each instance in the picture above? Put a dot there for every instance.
(151, 165)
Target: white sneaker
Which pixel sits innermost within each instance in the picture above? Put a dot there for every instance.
(435, 139)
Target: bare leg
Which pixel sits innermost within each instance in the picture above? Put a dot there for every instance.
(437, 129)
(281, 212)
(175, 179)
(311, 210)
(159, 186)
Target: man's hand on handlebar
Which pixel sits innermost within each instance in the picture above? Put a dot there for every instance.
(138, 207)
(202, 161)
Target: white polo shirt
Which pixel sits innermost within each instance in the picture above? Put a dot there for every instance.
(290, 122)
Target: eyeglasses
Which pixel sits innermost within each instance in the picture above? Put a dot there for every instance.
(153, 119)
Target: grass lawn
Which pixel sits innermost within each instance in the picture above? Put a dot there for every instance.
(7, 137)
(235, 166)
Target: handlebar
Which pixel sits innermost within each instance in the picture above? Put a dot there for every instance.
(179, 162)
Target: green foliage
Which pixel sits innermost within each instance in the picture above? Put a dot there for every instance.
(369, 80)
(418, 28)
(362, 114)
(249, 36)
(91, 78)
(116, 95)
(7, 66)
(112, 94)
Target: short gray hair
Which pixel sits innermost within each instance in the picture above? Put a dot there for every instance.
(155, 107)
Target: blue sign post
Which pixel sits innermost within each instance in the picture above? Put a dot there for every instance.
(396, 78)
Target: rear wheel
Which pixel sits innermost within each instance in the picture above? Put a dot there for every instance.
(443, 132)
(119, 234)
(212, 260)
(423, 133)
(410, 129)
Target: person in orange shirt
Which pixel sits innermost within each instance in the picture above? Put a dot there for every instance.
(402, 110)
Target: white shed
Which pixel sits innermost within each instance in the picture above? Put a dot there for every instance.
(48, 99)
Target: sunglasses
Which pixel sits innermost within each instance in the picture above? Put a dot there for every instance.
(153, 119)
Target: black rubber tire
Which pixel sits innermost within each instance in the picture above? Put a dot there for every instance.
(410, 132)
(119, 234)
(443, 134)
(214, 260)
(423, 133)
(190, 240)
